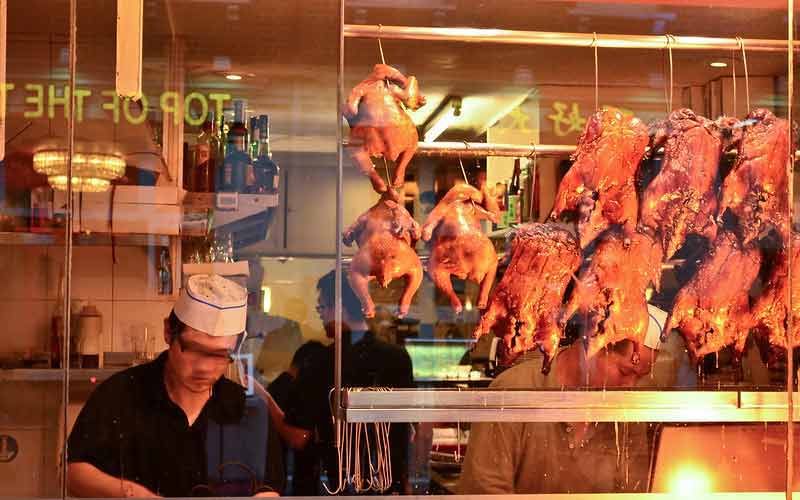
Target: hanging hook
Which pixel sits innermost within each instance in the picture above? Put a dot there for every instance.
(380, 44)
(668, 96)
(532, 156)
(464, 172)
(746, 75)
(733, 75)
(596, 74)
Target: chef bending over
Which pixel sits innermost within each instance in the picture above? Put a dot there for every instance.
(176, 426)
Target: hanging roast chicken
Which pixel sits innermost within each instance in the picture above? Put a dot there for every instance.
(380, 125)
(386, 236)
(600, 183)
(769, 312)
(755, 191)
(682, 198)
(609, 295)
(712, 310)
(459, 246)
(525, 306)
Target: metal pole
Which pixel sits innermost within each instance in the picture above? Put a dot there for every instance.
(337, 375)
(479, 149)
(789, 326)
(73, 57)
(561, 39)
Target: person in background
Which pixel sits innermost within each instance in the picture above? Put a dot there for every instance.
(565, 457)
(176, 426)
(301, 464)
(281, 387)
(366, 362)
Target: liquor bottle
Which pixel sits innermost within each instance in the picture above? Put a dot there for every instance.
(164, 273)
(188, 168)
(234, 168)
(205, 157)
(267, 171)
(513, 194)
(253, 140)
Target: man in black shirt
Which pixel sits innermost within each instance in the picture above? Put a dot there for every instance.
(176, 426)
(366, 362)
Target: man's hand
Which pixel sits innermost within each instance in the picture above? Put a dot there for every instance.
(131, 489)
(265, 494)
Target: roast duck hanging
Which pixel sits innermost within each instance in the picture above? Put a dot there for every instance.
(458, 245)
(599, 185)
(386, 235)
(682, 198)
(525, 305)
(380, 125)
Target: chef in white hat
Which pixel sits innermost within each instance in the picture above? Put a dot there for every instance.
(171, 427)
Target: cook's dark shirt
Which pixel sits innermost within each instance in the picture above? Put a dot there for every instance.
(368, 362)
(131, 429)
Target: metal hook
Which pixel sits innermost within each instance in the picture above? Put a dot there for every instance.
(746, 75)
(596, 73)
(461, 163)
(733, 76)
(380, 44)
(668, 96)
(532, 154)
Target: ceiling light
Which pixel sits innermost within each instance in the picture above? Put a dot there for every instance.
(233, 77)
(91, 172)
(718, 64)
(443, 119)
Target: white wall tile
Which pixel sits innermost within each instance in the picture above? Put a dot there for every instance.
(131, 317)
(135, 273)
(91, 273)
(26, 325)
(24, 271)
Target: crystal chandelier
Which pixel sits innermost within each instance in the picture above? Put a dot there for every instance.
(91, 172)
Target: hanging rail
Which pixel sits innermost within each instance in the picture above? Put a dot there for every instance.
(480, 149)
(560, 39)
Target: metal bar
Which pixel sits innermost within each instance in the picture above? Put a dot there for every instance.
(476, 35)
(790, 370)
(565, 406)
(479, 149)
(337, 335)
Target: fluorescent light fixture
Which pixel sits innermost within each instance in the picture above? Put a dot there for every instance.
(130, 19)
(233, 77)
(266, 300)
(2, 79)
(443, 119)
(718, 64)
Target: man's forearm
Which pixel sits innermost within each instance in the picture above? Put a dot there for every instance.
(86, 480)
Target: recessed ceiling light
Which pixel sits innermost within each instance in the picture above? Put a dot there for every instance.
(233, 77)
(718, 64)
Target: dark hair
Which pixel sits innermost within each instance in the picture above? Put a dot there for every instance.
(174, 325)
(326, 286)
(307, 352)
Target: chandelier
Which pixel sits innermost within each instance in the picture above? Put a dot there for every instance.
(91, 172)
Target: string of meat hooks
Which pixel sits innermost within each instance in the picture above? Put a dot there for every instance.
(353, 445)
(353, 439)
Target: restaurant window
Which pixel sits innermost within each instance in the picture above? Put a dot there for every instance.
(504, 247)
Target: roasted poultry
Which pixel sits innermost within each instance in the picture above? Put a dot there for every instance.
(769, 312)
(524, 307)
(386, 236)
(600, 183)
(755, 191)
(459, 247)
(379, 124)
(712, 310)
(609, 294)
(682, 198)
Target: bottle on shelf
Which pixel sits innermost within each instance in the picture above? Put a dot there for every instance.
(188, 168)
(253, 140)
(513, 193)
(267, 171)
(237, 160)
(164, 273)
(205, 157)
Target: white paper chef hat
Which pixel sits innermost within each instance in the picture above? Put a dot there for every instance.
(658, 318)
(213, 305)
